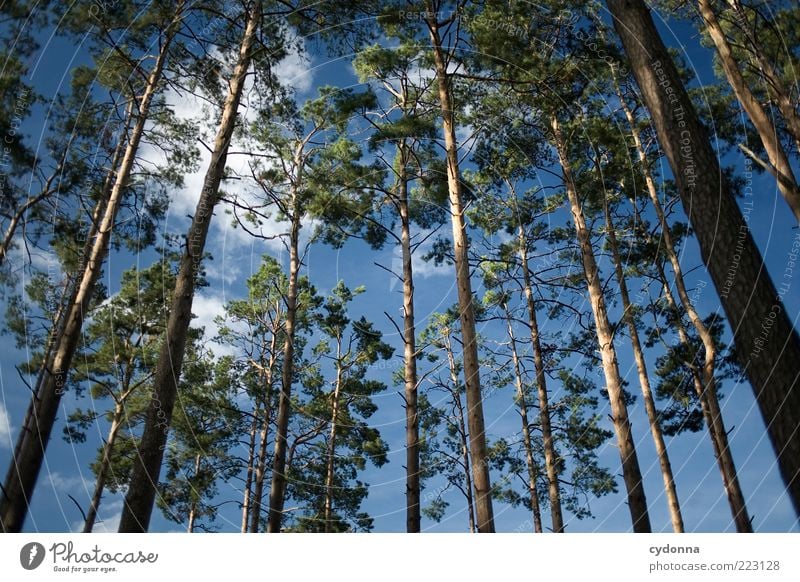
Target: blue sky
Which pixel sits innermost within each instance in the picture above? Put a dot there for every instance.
(704, 504)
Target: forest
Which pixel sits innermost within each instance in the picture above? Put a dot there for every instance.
(400, 266)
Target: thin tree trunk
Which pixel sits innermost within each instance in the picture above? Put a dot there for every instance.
(248, 484)
(413, 519)
(147, 466)
(24, 469)
(781, 93)
(277, 492)
(550, 453)
(709, 404)
(462, 434)
(767, 346)
(102, 473)
(329, 469)
(472, 380)
(631, 473)
(193, 508)
(787, 183)
(261, 467)
(644, 380)
(526, 432)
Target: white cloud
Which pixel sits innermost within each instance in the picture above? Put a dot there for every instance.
(296, 70)
(6, 430)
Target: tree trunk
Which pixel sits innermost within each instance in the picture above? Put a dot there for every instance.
(462, 434)
(709, 404)
(787, 183)
(413, 519)
(147, 466)
(472, 380)
(767, 346)
(105, 463)
(644, 380)
(277, 492)
(637, 503)
(35, 434)
(248, 484)
(329, 468)
(193, 507)
(258, 492)
(526, 433)
(550, 453)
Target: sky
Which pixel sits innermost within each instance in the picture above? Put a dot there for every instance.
(66, 474)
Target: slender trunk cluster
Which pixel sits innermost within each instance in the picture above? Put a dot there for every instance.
(644, 380)
(631, 473)
(35, 434)
(780, 166)
(147, 465)
(533, 471)
(767, 345)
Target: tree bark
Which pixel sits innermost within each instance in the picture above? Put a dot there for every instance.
(147, 466)
(475, 419)
(550, 453)
(767, 346)
(631, 473)
(644, 380)
(787, 183)
(35, 434)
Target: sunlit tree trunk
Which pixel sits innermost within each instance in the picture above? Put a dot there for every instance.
(475, 419)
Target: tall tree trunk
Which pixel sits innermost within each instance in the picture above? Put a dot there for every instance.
(526, 432)
(631, 473)
(413, 519)
(193, 506)
(782, 169)
(550, 453)
(776, 86)
(35, 434)
(105, 464)
(147, 466)
(472, 380)
(261, 467)
(644, 379)
(462, 434)
(277, 492)
(331, 456)
(248, 483)
(767, 346)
